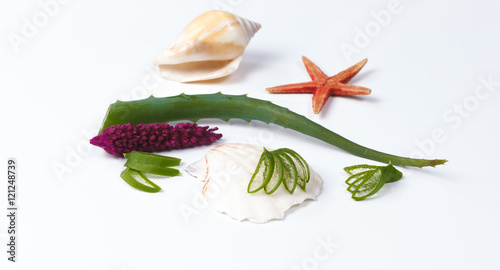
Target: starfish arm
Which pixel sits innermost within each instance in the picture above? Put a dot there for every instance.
(341, 89)
(314, 71)
(307, 87)
(319, 98)
(323, 86)
(347, 74)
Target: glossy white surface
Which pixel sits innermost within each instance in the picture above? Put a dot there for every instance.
(433, 67)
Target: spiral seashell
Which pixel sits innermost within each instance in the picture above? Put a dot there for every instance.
(209, 47)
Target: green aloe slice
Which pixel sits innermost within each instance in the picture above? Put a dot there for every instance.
(307, 175)
(226, 107)
(263, 173)
(355, 181)
(289, 172)
(138, 181)
(352, 170)
(301, 166)
(279, 166)
(148, 168)
(153, 159)
(369, 186)
(366, 180)
(277, 177)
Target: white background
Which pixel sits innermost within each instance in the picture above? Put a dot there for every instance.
(425, 64)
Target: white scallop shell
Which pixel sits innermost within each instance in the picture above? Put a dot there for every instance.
(227, 170)
(209, 47)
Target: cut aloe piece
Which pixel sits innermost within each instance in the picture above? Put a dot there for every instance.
(277, 177)
(307, 175)
(289, 172)
(370, 185)
(263, 173)
(138, 181)
(148, 168)
(352, 170)
(301, 166)
(369, 179)
(355, 181)
(153, 159)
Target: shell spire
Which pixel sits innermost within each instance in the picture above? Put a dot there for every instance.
(209, 47)
(249, 27)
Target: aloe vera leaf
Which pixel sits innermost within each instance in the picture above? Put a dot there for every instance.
(153, 159)
(263, 172)
(226, 107)
(152, 169)
(277, 177)
(289, 172)
(371, 186)
(138, 181)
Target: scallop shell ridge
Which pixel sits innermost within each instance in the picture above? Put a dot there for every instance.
(229, 168)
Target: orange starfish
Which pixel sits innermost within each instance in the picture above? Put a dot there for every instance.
(323, 86)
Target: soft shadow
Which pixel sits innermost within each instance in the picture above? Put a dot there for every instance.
(435, 172)
(362, 75)
(361, 98)
(330, 104)
(251, 62)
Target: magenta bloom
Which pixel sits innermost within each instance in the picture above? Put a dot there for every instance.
(122, 139)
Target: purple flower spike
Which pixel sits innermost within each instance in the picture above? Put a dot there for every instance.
(122, 139)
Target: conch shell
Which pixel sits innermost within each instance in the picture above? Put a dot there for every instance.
(227, 170)
(209, 47)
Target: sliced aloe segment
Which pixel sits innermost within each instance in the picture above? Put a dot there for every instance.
(153, 159)
(391, 174)
(138, 181)
(289, 172)
(277, 177)
(370, 185)
(301, 166)
(369, 179)
(355, 181)
(148, 168)
(304, 163)
(352, 170)
(263, 173)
